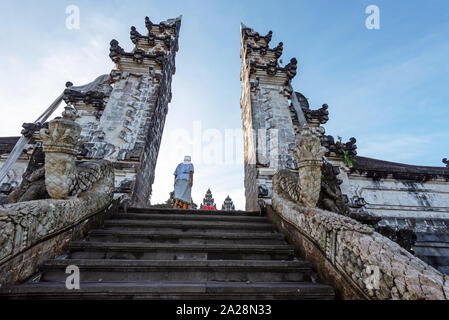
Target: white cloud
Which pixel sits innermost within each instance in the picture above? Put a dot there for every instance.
(34, 80)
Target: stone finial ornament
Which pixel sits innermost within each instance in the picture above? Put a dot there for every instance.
(291, 68)
(115, 51)
(337, 148)
(228, 204)
(309, 157)
(320, 116)
(269, 36)
(29, 129)
(331, 197)
(60, 144)
(208, 201)
(278, 50)
(304, 188)
(134, 35)
(148, 24)
(63, 177)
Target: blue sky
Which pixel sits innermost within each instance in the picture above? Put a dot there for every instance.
(388, 87)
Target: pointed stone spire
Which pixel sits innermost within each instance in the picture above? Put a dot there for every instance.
(208, 202)
(228, 204)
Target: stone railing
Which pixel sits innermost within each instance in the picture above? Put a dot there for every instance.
(358, 262)
(33, 231)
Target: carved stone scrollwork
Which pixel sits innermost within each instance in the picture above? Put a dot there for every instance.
(306, 186)
(320, 115)
(278, 50)
(248, 32)
(336, 148)
(115, 51)
(446, 162)
(331, 197)
(272, 67)
(95, 98)
(63, 178)
(151, 39)
(309, 154)
(148, 24)
(60, 147)
(93, 93)
(30, 128)
(228, 204)
(32, 186)
(291, 68)
(268, 37)
(134, 35)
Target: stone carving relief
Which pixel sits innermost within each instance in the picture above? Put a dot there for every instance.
(32, 186)
(25, 223)
(331, 198)
(305, 187)
(335, 148)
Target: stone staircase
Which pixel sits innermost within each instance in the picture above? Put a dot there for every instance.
(178, 254)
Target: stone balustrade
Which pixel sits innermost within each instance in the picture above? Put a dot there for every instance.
(33, 231)
(358, 262)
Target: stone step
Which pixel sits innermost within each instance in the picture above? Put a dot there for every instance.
(186, 237)
(155, 251)
(188, 217)
(178, 270)
(194, 226)
(189, 212)
(174, 290)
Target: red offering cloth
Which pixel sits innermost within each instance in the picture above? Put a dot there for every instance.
(208, 208)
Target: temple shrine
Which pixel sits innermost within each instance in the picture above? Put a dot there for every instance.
(208, 202)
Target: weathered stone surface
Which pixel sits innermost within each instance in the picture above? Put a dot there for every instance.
(128, 129)
(79, 191)
(15, 268)
(268, 128)
(228, 204)
(331, 198)
(394, 190)
(32, 186)
(354, 258)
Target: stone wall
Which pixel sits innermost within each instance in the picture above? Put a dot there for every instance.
(122, 114)
(152, 139)
(358, 262)
(18, 266)
(409, 204)
(394, 190)
(268, 129)
(34, 230)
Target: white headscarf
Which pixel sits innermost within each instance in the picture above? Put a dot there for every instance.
(187, 159)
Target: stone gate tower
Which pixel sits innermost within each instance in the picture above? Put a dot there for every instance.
(270, 122)
(122, 114)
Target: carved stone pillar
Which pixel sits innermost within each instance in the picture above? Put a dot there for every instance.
(309, 157)
(60, 144)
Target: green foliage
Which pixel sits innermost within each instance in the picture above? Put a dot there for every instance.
(347, 158)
